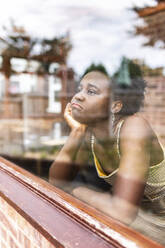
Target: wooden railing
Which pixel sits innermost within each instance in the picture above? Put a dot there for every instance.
(11, 108)
(33, 106)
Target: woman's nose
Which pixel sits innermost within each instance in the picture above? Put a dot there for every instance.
(79, 96)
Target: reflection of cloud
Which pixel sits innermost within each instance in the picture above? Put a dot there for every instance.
(99, 29)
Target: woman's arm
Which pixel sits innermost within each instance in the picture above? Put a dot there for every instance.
(132, 174)
(63, 168)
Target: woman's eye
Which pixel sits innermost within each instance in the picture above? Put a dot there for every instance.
(91, 92)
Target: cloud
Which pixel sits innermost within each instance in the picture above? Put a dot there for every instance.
(98, 29)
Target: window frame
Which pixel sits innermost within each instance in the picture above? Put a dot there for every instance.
(88, 223)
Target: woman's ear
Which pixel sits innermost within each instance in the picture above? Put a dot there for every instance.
(116, 107)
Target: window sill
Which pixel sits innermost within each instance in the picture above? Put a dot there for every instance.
(62, 219)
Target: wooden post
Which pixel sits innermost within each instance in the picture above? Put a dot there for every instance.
(6, 69)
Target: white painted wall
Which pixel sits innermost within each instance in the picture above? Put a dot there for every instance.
(55, 86)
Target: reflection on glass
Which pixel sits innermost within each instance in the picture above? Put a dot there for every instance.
(108, 129)
(106, 152)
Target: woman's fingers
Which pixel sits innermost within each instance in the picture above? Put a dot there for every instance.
(68, 116)
(71, 121)
(67, 111)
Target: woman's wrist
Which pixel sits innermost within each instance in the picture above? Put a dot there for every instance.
(73, 142)
(78, 131)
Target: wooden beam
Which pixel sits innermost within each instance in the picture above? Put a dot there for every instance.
(151, 10)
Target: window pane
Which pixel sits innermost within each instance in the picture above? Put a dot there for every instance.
(84, 108)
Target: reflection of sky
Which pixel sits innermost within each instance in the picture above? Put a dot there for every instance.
(98, 29)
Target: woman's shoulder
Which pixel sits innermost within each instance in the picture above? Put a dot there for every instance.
(136, 126)
(138, 130)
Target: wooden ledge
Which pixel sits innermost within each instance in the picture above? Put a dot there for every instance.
(62, 219)
(151, 10)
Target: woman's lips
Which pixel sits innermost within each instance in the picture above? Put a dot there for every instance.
(77, 106)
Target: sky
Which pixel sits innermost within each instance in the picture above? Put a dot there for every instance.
(100, 31)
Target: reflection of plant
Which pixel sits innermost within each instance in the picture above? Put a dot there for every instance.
(94, 67)
(19, 44)
(17, 153)
(43, 155)
(55, 149)
(44, 152)
(46, 149)
(133, 68)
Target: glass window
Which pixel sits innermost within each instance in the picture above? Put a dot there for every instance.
(89, 103)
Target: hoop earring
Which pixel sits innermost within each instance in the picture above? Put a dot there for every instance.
(112, 118)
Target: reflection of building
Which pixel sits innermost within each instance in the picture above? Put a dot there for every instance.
(33, 109)
(148, 71)
(154, 30)
(35, 85)
(154, 107)
(154, 102)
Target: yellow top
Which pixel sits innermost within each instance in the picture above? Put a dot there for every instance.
(155, 185)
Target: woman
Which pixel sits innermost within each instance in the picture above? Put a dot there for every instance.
(125, 149)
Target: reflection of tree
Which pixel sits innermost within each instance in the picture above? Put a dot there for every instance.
(128, 70)
(53, 50)
(16, 44)
(94, 67)
(19, 44)
(147, 70)
(153, 28)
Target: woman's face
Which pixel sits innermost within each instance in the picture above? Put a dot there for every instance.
(91, 104)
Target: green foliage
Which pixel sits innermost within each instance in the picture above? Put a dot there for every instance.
(133, 69)
(93, 67)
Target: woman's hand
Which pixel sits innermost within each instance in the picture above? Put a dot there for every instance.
(63, 169)
(85, 194)
(117, 208)
(90, 196)
(71, 121)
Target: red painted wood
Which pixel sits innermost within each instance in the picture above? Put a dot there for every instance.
(151, 10)
(62, 219)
